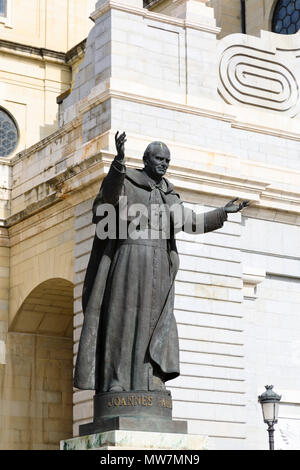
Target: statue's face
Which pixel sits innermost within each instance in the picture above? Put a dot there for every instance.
(158, 161)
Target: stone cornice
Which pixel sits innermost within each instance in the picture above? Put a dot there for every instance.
(32, 52)
(151, 15)
(181, 103)
(84, 106)
(181, 107)
(46, 141)
(112, 90)
(41, 53)
(277, 199)
(226, 114)
(261, 129)
(190, 180)
(75, 52)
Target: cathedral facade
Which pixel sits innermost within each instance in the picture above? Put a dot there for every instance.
(218, 82)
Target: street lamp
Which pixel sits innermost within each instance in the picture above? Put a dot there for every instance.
(269, 401)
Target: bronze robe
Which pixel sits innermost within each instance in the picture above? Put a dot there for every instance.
(129, 336)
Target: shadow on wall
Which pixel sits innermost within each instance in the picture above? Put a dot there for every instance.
(51, 110)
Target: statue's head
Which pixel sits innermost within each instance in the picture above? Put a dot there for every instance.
(156, 159)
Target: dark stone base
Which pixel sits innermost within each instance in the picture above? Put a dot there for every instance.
(133, 411)
(133, 424)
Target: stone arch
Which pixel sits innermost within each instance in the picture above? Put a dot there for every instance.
(38, 380)
(47, 310)
(56, 263)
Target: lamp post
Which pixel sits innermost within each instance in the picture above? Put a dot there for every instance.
(269, 401)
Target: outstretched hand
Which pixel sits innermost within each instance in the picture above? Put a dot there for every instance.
(120, 145)
(232, 208)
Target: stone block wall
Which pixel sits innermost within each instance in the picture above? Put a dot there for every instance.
(210, 392)
(231, 281)
(84, 234)
(4, 291)
(36, 393)
(54, 24)
(158, 52)
(272, 347)
(36, 330)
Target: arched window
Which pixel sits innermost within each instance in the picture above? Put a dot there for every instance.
(8, 134)
(286, 17)
(3, 8)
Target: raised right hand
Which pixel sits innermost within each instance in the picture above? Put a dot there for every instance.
(120, 145)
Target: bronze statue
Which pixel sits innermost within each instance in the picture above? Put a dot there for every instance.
(129, 338)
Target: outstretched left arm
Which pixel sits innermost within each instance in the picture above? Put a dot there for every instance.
(204, 222)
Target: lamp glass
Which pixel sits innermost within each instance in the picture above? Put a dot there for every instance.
(276, 408)
(270, 411)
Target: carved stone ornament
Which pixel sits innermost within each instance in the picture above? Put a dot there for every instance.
(261, 73)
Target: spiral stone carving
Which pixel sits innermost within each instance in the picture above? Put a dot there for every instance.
(255, 77)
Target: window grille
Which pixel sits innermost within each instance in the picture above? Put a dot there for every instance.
(286, 18)
(8, 134)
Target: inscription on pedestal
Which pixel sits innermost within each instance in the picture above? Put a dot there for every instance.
(132, 400)
(134, 411)
(112, 404)
(136, 400)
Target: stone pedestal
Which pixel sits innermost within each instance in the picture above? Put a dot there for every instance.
(136, 440)
(134, 421)
(151, 424)
(133, 411)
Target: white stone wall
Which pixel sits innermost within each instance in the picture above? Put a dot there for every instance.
(210, 393)
(84, 234)
(140, 47)
(52, 24)
(177, 127)
(260, 72)
(272, 327)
